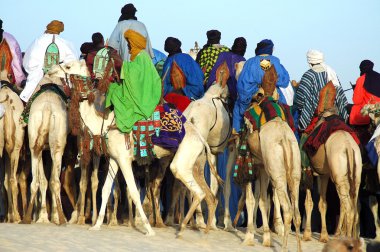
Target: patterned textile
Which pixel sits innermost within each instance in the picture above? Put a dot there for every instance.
(320, 134)
(142, 132)
(208, 57)
(46, 87)
(244, 171)
(172, 129)
(268, 109)
(307, 97)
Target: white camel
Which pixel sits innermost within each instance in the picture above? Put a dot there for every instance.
(48, 124)
(11, 138)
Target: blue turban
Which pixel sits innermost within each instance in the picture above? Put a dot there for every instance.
(264, 47)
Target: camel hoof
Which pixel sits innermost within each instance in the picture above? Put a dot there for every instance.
(43, 221)
(279, 229)
(249, 240)
(26, 220)
(266, 239)
(160, 225)
(81, 220)
(74, 218)
(150, 233)
(94, 228)
(113, 222)
(324, 238)
(93, 220)
(201, 225)
(306, 235)
(169, 222)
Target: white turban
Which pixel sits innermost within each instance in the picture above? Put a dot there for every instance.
(316, 57)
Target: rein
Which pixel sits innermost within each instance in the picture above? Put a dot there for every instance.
(216, 119)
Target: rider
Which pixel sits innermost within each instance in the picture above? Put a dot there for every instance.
(10, 53)
(367, 90)
(312, 81)
(98, 44)
(251, 77)
(128, 20)
(139, 94)
(190, 84)
(35, 55)
(208, 55)
(236, 55)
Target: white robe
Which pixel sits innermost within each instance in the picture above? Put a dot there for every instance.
(34, 60)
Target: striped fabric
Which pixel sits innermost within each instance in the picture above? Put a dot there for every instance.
(307, 97)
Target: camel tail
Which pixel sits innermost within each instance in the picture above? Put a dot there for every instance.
(42, 131)
(208, 154)
(351, 165)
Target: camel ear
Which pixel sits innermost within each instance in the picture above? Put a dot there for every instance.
(54, 70)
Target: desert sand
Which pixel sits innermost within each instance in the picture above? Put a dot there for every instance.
(49, 237)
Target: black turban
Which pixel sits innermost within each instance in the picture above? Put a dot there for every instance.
(240, 46)
(1, 30)
(1, 24)
(172, 46)
(97, 39)
(213, 37)
(128, 12)
(365, 66)
(86, 47)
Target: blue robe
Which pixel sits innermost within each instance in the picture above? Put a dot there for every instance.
(194, 75)
(231, 59)
(158, 56)
(248, 85)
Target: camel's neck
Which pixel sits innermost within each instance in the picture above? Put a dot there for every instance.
(92, 119)
(51, 79)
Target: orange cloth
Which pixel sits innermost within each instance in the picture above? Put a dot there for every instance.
(6, 59)
(137, 42)
(360, 98)
(55, 27)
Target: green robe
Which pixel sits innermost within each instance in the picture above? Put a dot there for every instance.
(138, 95)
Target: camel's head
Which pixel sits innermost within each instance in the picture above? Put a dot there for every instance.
(238, 68)
(373, 111)
(75, 67)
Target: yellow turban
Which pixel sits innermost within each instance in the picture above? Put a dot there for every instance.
(55, 27)
(137, 42)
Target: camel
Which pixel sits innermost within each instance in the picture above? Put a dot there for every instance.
(48, 124)
(12, 138)
(283, 170)
(372, 111)
(119, 150)
(338, 158)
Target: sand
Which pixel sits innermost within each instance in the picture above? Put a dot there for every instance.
(49, 237)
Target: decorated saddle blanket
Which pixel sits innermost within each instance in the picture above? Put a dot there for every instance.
(259, 114)
(164, 128)
(323, 131)
(46, 87)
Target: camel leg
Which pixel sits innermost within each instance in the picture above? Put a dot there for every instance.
(214, 190)
(8, 189)
(43, 216)
(277, 218)
(309, 208)
(164, 163)
(68, 184)
(14, 159)
(24, 188)
(264, 182)
(112, 169)
(94, 187)
(241, 204)
(116, 196)
(34, 185)
(343, 188)
(322, 205)
(227, 188)
(374, 209)
(199, 219)
(174, 200)
(83, 189)
(250, 203)
(131, 221)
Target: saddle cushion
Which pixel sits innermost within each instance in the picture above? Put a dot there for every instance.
(259, 114)
(323, 131)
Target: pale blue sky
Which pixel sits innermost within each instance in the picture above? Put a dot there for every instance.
(346, 31)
